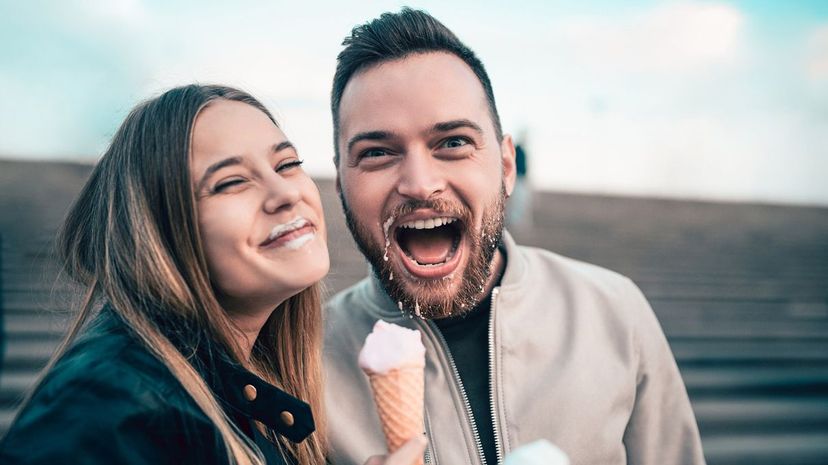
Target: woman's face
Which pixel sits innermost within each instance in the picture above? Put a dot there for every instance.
(259, 214)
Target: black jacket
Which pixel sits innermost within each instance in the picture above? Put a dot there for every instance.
(109, 401)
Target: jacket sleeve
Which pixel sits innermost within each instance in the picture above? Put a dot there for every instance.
(662, 428)
(110, 420)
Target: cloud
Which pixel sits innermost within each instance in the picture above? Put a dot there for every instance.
(123, 13)
(677, 100)
(694, 156)
(669, 99)
(677, 37)
(817, 54)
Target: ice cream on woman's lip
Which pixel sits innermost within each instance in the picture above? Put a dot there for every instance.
(391, 347)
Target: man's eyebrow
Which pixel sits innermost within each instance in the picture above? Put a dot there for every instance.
(369, 135)
(454, 124)
(230, 161)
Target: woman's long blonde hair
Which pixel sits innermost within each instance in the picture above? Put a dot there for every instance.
(131, 238)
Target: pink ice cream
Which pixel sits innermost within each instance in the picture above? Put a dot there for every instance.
(391, 347)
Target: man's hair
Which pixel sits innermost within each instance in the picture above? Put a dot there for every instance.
(394, 36)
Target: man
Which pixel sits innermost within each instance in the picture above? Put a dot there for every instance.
(521, 344)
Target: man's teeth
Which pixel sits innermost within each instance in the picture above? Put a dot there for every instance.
(430, 223)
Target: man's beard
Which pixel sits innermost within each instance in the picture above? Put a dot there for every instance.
(434, 298)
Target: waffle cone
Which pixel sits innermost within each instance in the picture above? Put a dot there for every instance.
(399, 398)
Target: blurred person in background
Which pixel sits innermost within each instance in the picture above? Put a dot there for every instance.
(521, 343)
(519, 213)
(199, 241)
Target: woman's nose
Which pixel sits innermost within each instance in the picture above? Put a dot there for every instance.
(281, 194)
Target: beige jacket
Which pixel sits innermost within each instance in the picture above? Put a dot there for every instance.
(576, 354)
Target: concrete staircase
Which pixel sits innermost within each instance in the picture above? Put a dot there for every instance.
(741, 291)
(742, 294)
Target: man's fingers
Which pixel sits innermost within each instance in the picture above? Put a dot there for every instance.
(411, 452)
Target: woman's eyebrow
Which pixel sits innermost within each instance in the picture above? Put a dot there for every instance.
(236, 160)
(230, 161)
(282, 146)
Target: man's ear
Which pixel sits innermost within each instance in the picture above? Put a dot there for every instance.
(507, 159)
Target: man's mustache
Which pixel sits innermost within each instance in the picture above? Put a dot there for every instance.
(442, 206)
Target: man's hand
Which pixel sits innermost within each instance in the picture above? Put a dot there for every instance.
(410, 453)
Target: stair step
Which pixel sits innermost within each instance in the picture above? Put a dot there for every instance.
(712, 381)
(801, 448)
(28, 354)
(6, 415)
(739, 311)
(21, 302)
(747, 330)
(14, 384)
(35, 324)
(763, 414)
(764, 351)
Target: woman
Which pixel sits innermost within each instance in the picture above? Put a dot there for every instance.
(204, 241)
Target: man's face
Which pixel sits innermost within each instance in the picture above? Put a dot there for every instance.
(423, 179)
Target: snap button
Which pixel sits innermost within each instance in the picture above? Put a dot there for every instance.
(250, 392)
(287, 418)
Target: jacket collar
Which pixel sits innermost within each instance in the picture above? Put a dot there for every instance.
(239, 390)
(513, 277)
(256, 399)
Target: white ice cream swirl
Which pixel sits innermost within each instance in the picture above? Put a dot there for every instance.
(391, 347)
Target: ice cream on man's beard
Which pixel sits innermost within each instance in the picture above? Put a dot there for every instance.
(393, 357)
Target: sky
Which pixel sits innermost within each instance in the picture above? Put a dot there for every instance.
(714, 100)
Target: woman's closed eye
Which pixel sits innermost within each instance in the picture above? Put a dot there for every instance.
(226, 184)
(289, 164)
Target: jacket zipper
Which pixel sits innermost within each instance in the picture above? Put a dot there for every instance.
(495, 429)
(426, 425)
(466, 404)
(463, 395)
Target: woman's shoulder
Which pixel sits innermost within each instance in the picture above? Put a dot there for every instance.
(106, 397)
(108, 355)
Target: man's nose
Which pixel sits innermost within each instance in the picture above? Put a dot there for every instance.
(280, 194)
(420, 176)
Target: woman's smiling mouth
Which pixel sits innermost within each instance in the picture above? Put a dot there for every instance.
(291, 235)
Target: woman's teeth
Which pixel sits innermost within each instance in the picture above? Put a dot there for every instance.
(291, 235)
(430, 223)
(282, 229)
(294, 244)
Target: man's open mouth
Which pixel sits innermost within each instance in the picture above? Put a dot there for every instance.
(430, 246)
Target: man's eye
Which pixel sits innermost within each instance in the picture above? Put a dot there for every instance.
(455, 142)
(374, 153)
(289, 164)
(224, 185)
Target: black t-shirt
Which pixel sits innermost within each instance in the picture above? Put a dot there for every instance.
(467, 337)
